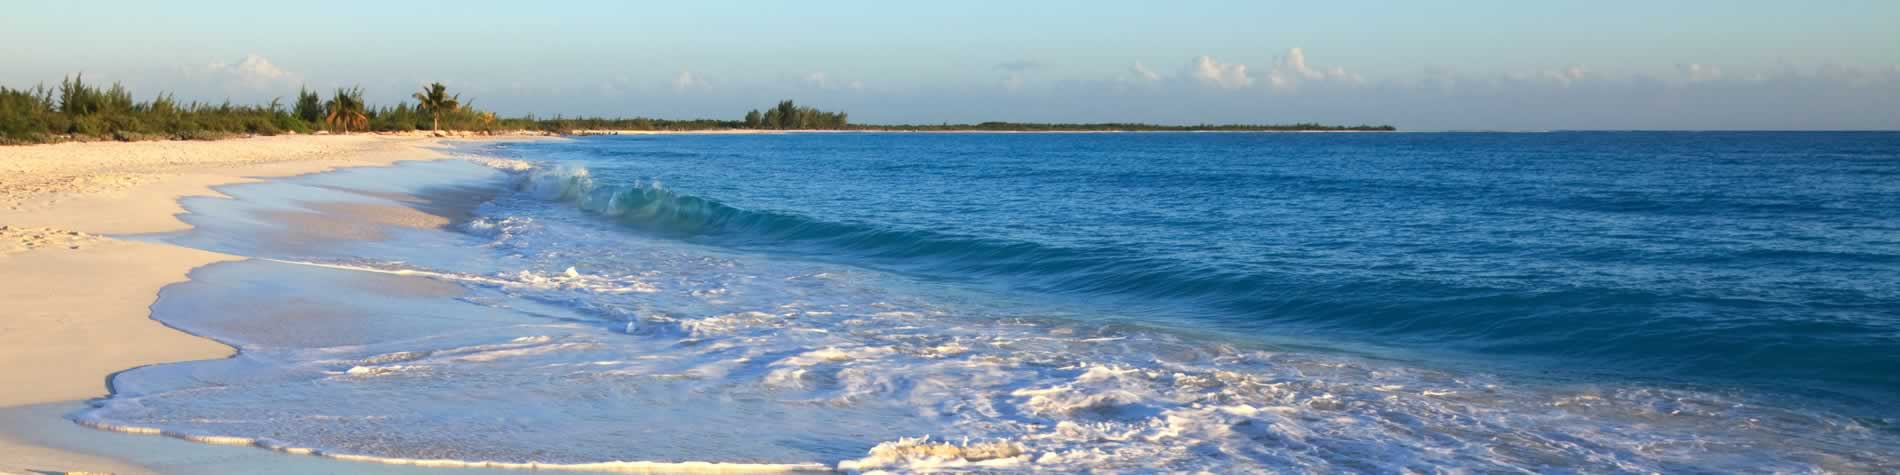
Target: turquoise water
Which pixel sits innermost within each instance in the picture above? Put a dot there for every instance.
(1230, 302)
(1762, 257)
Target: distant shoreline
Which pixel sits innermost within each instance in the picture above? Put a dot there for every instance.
(75, 111)
(594, 132)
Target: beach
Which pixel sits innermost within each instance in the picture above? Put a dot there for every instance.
(76, 299)
(388, 238)
(906, 302)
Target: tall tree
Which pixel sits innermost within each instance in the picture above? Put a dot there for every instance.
(346, 110)
(309, 106)
(772, 120)
(752, 119)
(787, 115)
(436, 100)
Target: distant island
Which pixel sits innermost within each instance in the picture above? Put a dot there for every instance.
(77, 111)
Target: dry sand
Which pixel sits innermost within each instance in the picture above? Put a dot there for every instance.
(74, 304)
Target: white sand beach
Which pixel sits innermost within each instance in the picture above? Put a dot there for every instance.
(75, 301)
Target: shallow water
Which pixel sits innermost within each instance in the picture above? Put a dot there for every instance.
(1226, 302)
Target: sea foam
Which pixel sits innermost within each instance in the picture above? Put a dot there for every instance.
(580, 340)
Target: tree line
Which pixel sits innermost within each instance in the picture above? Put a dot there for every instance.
(785, 116)
(788, 115)
(76, 110)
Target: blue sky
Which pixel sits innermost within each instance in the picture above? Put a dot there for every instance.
(1420, 65)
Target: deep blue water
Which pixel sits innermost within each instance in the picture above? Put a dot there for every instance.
(1759, 258)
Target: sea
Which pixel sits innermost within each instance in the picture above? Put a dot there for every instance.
(1577, 302)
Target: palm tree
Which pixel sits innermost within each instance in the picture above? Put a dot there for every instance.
(346, 109)
(436, 99)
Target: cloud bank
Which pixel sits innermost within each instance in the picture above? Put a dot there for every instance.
(1292, 87)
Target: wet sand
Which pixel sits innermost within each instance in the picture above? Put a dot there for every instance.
(76, 301)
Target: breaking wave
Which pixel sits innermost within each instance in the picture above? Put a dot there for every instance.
(543, 337)
(1463, 314)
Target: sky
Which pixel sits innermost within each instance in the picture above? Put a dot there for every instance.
(1466, 65)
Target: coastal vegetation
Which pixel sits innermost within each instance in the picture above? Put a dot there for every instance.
(346, 110)
(75, 110)
(791, 116)
(435, 100)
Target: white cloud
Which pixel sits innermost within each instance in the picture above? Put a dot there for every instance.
(251, 78)
(1016, 73)
(1206, 70)
(1561, 78)
(1566, 76)
(1292, 69)
(619, 85)
(1013, 82)
(685, 80)
(1284, 74)
(1700, 72)
(818, 79)
(822, 81)
(1142, 72)
(252, 71)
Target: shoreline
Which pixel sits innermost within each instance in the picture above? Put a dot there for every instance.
(79, 299)
(302, 283)
(594, 132)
